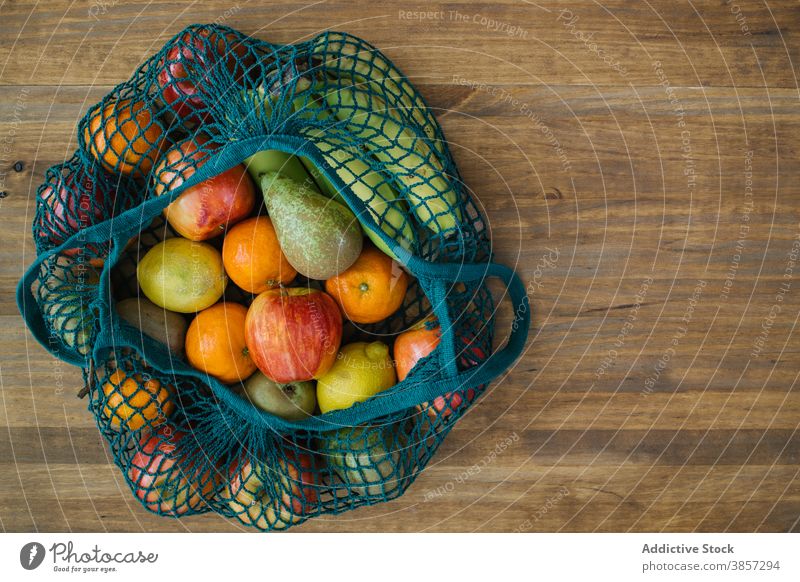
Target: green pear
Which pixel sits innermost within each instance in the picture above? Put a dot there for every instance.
(320, 237)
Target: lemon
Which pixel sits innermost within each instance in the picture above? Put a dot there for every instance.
(361, 370)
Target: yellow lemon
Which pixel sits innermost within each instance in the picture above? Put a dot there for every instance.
(361, 370)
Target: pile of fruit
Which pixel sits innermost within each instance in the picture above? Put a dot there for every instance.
(304, 277)
(285, 347)
(203, 282)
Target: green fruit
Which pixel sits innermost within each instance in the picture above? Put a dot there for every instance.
(277, 161)
(320, 237)
(64, 297)
(182, 275)
(292, 401)
(367, 459)
(403, 154)
(370, 70)
(380, 199)
(360, 371)
(272, 160)
(323, 184)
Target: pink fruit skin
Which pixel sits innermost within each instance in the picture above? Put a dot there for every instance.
(72, 203)
(198, 52)
(207, 209)
(293, 334)
(444, 405)
(159, 482)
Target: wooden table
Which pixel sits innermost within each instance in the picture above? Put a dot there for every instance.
(638, 164)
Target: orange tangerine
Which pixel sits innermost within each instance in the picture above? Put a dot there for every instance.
(215, 343)
(253, 257)
(372, 288)
(133, 402)
(124, 136)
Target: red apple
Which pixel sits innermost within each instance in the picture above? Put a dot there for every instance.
(208, 208)
(180, 162)
(69, 203)
(300, 475)
(413, 345)
(293, 334)
(445, 405)
(418, 342)
(192, 63)
(165, 481)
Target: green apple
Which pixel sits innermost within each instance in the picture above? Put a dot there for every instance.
(292, 401)
(277, 161)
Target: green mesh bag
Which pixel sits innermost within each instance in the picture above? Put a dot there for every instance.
(185, 442)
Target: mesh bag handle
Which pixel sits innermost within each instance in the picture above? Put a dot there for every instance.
(497, 363)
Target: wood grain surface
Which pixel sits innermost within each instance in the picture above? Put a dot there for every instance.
(639, 164)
